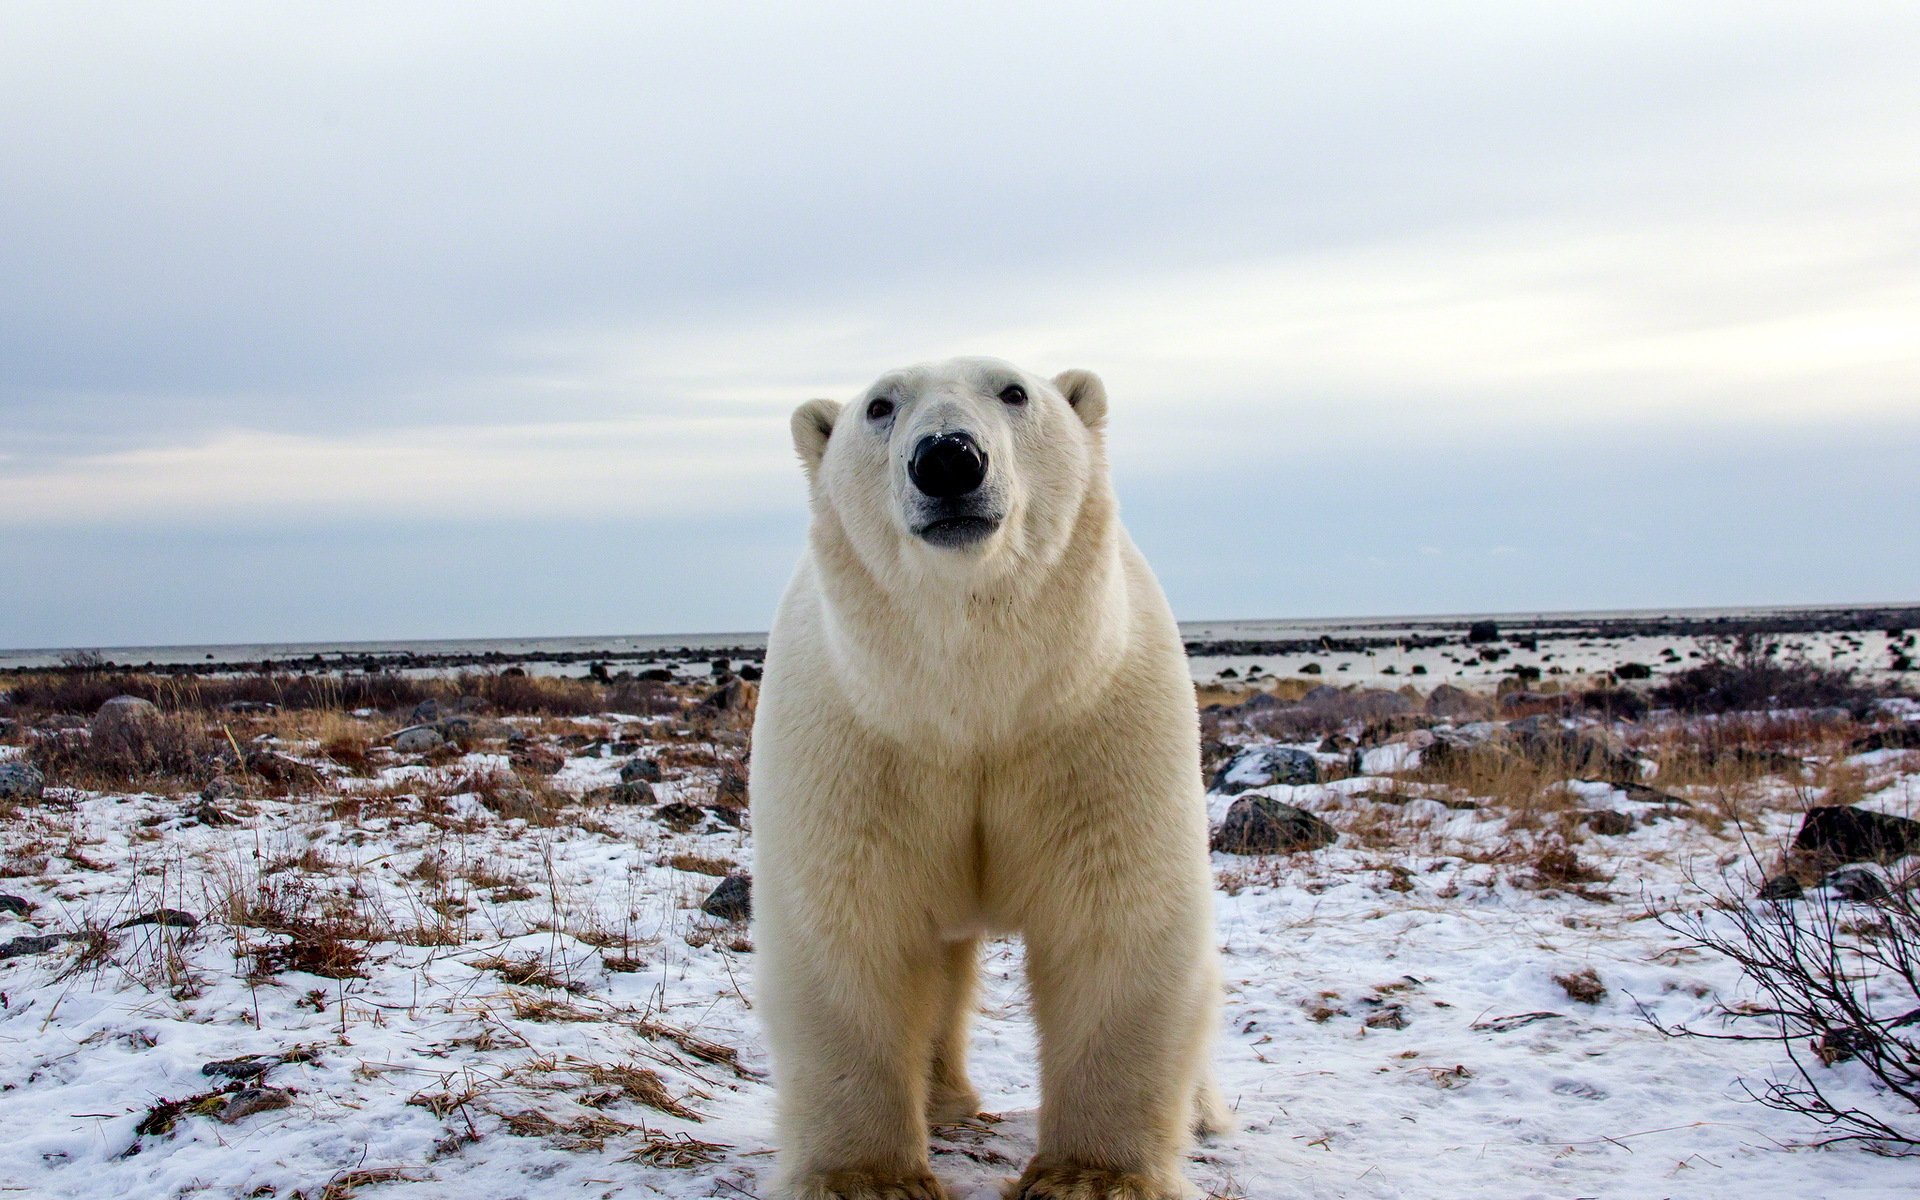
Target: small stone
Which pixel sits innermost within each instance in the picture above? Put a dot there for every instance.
(417, 738)
(640, 770)
(1858, 883)
(678, 816)
(15, 905)
(1781, 887)
(732, 900)
(1609, 823)
(35, 944)
(167, 918)
(636, 791)
(248, 1101)
(248, 1066)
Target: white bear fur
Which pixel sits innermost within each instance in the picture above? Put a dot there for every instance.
(957, 741)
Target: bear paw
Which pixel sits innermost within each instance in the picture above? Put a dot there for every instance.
(1088, 1183)
(952, 1107)
(864, 1185)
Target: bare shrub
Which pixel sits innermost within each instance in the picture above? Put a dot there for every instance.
(1836, 982)
(1751, 674)
(164, 750)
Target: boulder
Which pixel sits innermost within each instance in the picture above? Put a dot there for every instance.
(1374, 703)
(732, 900)
(21, 781)
(1839, 833)
(1586, 752)
(123, 721)
(1450, 701)
(1264, 766)
(425, 713)
(1262, 825)
(416, 739)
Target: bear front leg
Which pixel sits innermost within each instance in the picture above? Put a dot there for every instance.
(850, 1030)
(1122, 1014)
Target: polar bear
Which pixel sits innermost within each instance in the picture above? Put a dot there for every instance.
(977, 717)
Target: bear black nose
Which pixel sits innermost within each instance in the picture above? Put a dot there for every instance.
(947, 465)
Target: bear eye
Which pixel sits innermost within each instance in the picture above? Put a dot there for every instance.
(878, 409)
(1013, 393)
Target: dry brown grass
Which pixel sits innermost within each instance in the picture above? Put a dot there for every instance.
(1583, 985)
(525, 970)
(700, 864)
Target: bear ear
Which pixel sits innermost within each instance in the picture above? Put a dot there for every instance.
(812, 426)
(1086, 394)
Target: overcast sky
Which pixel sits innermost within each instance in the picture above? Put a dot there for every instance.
(381, 321)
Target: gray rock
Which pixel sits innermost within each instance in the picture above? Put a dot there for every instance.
(37, 944)
(425, 713)
(417, 738)
(640, 770)
(1374, 703)
(122, 720)
(1261, 825)
(21, 781)
(168, 918)
(1581, 752)
(15, 906)
(1264, 766)
(249, 1066)
(1859, 883)
(732, 900)
(1258, 702)
(1449, 701)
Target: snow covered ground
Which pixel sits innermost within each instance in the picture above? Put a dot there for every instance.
(543, 1009)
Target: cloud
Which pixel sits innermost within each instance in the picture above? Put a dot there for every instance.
(332, 263)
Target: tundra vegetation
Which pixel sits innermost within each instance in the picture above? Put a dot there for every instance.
(324, 934)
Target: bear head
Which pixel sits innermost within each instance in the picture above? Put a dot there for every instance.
(959, 468)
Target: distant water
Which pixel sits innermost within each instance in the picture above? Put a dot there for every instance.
(642, 648)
